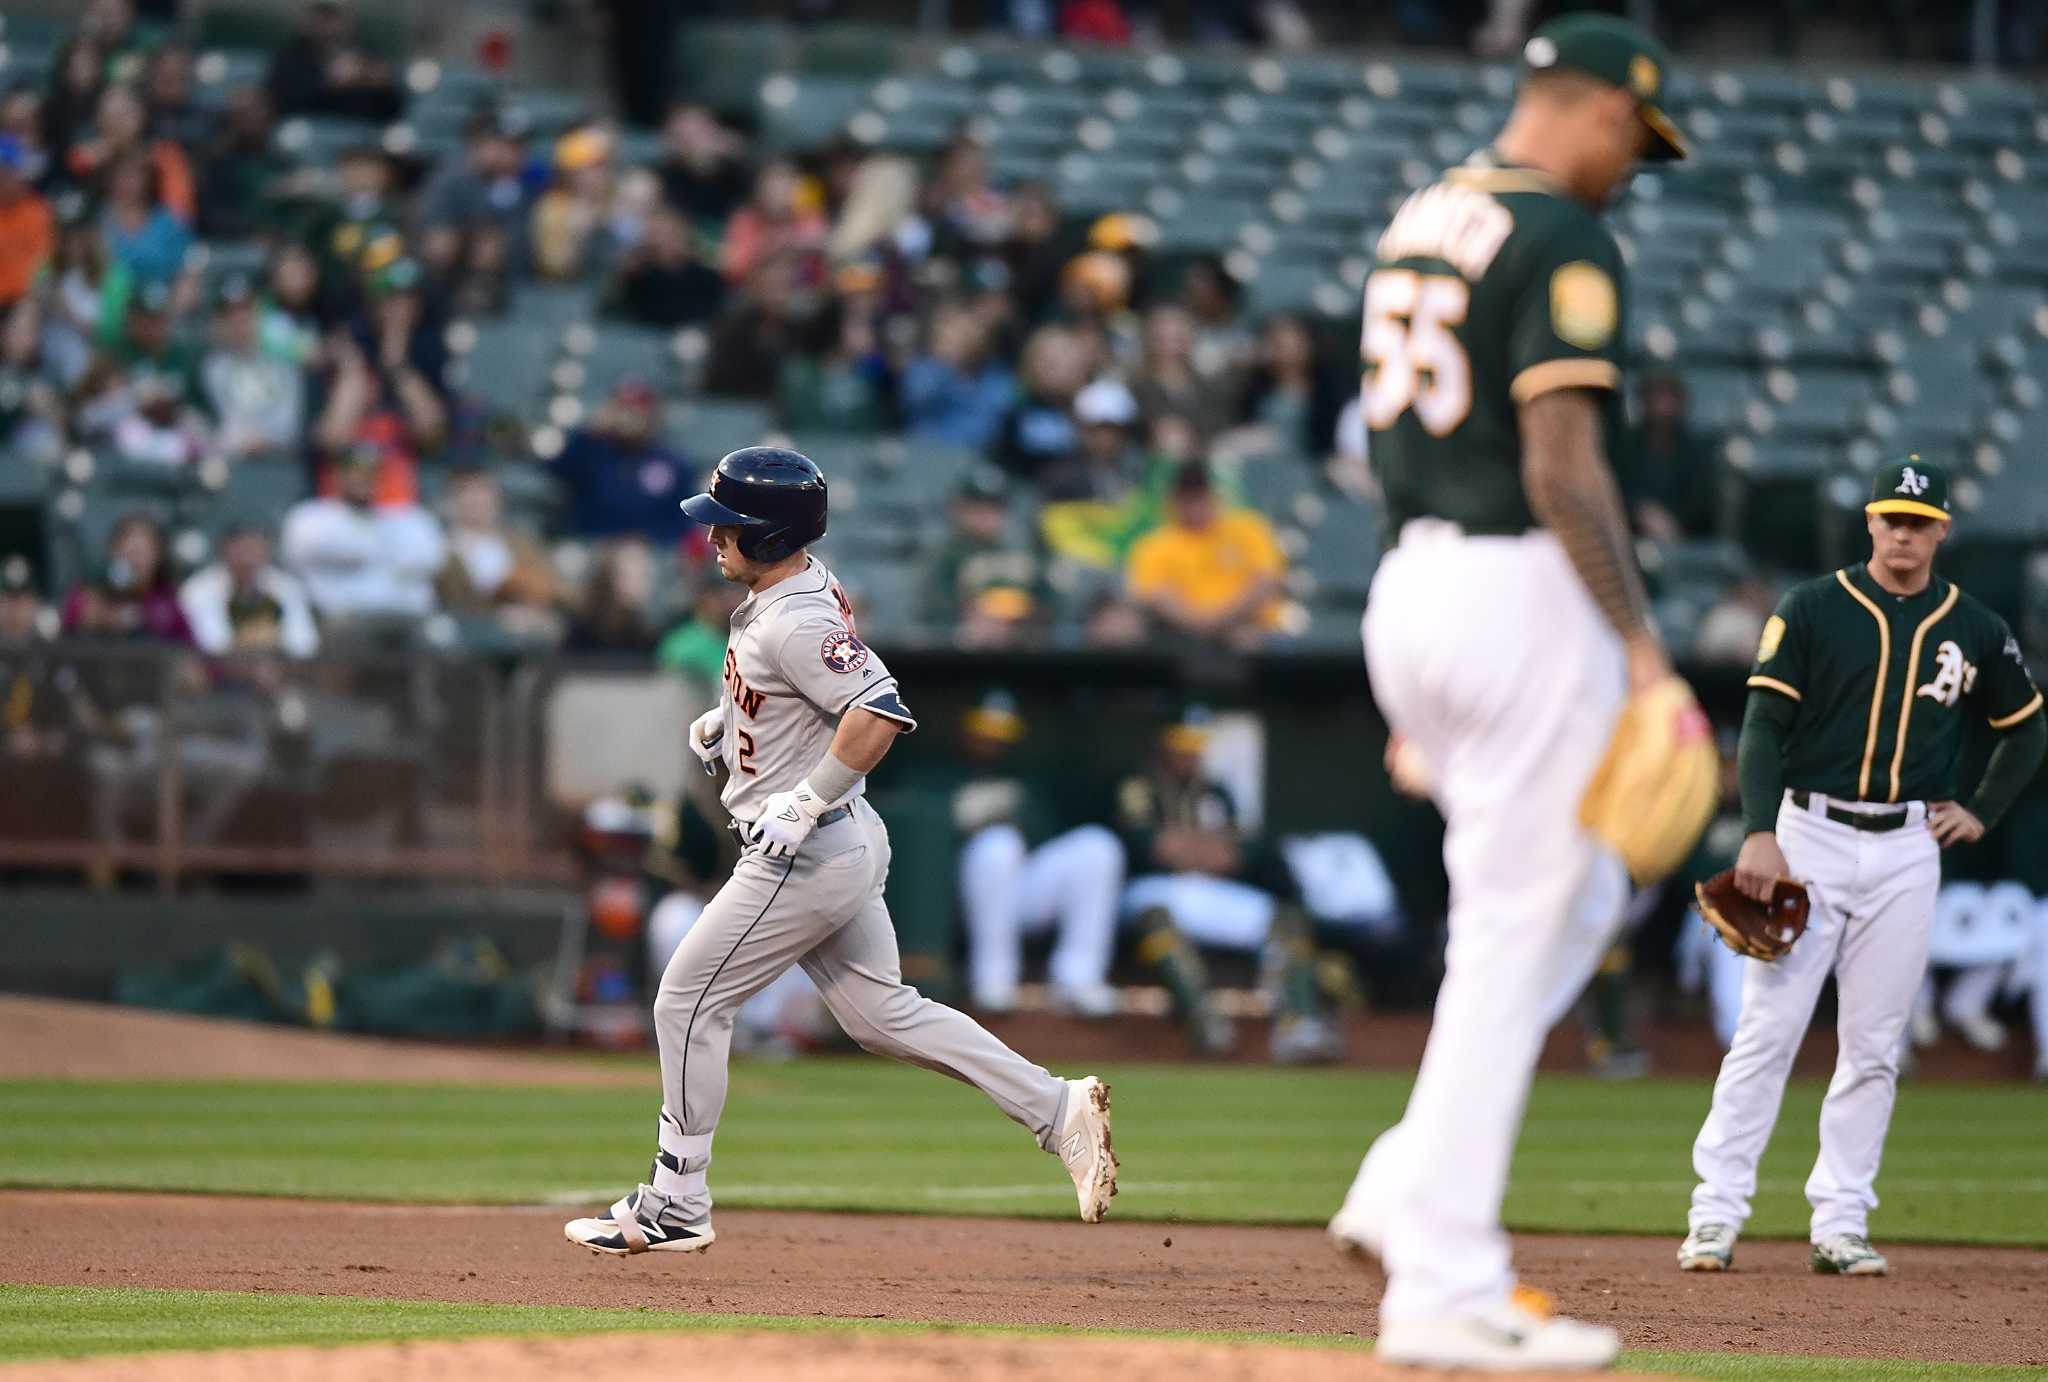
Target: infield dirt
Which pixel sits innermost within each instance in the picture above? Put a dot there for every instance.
(1964, 1304)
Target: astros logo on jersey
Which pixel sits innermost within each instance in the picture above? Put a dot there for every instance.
(1912, 481)
(1955, 675)
(843, 652)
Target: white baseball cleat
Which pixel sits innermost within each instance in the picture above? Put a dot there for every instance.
(627, 1229)
(1848, 1254)
(1356, 1229)
(1083, 1146)
(1980, 1031)
(1708, 1248)
(1517, 1335)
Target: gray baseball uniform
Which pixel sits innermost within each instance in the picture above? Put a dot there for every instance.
(793, 667)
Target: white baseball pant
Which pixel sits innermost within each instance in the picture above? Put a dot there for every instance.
(1489, 654)
(1872, 913)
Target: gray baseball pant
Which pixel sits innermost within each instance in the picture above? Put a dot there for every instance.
(822, 909)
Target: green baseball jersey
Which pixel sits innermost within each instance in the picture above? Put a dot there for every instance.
(1492, 287)
(1883, 683)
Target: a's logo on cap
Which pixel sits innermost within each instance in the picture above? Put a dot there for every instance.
(1541, 52)
(1642, 75)
(1911, 482)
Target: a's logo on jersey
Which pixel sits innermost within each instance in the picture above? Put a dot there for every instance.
(1911, 481)
(843, 652)
(1774, 634)
(1954, 677)
(1584, 308)
(2012, 650)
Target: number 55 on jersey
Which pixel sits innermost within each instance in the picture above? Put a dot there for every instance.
(1492, 287)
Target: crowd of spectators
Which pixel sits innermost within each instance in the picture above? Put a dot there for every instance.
(1120, 399)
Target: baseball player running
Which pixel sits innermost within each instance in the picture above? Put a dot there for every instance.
(1504, 633)
(1848, 761)
(807, 712)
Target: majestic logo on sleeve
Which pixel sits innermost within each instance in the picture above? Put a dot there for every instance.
(843, 652)
(1953, 676)
(1774, 634)
(1912, 482)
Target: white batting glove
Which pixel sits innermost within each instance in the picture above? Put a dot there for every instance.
(786, 821)
(707, 738)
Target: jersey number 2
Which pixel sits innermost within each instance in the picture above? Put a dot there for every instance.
(747, 754)
(1415, 360)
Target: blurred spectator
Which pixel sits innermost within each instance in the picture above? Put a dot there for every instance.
(616, 615)
(1036, 250)
(238, 163)
(844, 388)
(360, 234)
(1290, 400)
(31, 408)
(257, 399)
(1667, 470)
(881, 193)
(148, 339)
(661, 282)
(1730, 630)
(1210, 572)
(290, 314)
(28, 233)
(132, 596)
(1166, 380)
(762, 326)
(957, 392)
(383, 389)
(696, 646)
(21, 619)
(21, 119)
(141, 233)
(78, 299)
(242, 603)
(78, 76)
(1222, 346)
(108, 28)
(164, 429)
(1106, 468)
(618, 479)
(702, 171)
(473, 212)
(1349, 466)
(121, 131)
(360, 560)
(1094, 21)
(1039, 431)
(323, 69)
(569, 222)
(782, 217)
(981, 583)
(964, 210)
(169, 110)
(493, 570)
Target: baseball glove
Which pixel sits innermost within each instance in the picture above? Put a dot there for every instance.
(1760, 930)
(1656, 787)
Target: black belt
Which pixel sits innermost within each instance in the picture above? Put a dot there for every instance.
(742, 831)
(1873, 821)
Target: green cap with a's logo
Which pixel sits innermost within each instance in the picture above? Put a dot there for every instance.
(1910, 486)
(1616, 52)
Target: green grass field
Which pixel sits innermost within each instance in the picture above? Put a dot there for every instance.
(1198, 1143)
(1964, 1163)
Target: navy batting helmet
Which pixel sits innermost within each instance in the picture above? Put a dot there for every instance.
(774, 496)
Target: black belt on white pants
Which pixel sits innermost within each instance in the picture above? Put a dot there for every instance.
(1874, 821)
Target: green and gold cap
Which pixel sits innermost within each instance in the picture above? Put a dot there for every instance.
(1910, 486)
(1617, 52)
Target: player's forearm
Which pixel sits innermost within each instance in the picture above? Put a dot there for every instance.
(862, 740)
(1565, 474)
(2010, 768)
(1760, 760)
